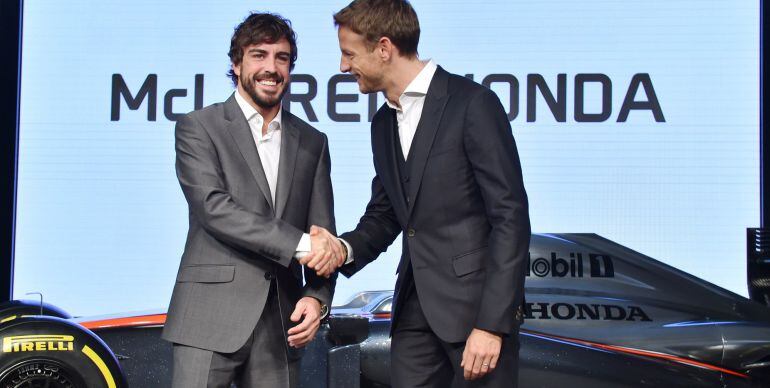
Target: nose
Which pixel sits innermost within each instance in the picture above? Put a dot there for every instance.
(344, 65)
(270, 65)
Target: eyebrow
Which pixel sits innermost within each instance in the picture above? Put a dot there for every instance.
(261, 51)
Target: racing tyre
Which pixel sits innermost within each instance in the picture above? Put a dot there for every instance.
(18, 308)
(54, 353)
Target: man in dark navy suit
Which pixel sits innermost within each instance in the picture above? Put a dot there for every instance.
(448, 177)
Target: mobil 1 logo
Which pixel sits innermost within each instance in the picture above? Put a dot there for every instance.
(572, 265)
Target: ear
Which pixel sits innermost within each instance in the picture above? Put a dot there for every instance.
(236, 69)
(385, 49)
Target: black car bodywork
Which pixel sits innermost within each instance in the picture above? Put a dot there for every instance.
(597, 315)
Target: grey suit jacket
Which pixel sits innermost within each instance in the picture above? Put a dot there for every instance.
(237, 240)
(465, 218)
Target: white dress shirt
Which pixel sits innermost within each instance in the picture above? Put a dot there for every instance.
(411, 101)
(269, 149)
(408, 115)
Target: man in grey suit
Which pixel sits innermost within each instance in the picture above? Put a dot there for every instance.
(448, 177)
(255, 177)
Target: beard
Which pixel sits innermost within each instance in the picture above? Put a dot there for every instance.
(261, 98)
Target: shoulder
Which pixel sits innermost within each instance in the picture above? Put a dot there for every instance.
(467, 89)
(205, 116)
(303, 127)
(381, 113)
(472, 98)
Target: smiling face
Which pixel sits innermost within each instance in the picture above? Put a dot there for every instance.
(358, 60)
(263, 73)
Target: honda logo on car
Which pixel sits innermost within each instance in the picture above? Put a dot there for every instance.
(593, 312)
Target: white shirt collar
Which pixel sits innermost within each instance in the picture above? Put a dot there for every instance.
(419, 85)
(249, 112)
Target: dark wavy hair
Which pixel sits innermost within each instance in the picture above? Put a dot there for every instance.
(260, 28)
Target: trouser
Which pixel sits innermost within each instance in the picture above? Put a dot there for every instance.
(261, 362)
(419, 358)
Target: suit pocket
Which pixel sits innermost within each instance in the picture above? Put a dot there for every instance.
(206, 273)
(469, 262)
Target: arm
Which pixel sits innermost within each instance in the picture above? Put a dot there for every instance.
(492, 153)
(318, 290)
(200, 176)
(375, 231)
(321, 213)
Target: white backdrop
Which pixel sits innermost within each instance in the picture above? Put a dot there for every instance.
(101, 220)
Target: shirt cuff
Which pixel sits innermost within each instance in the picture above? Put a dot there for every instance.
(303, 248)
(349, 259)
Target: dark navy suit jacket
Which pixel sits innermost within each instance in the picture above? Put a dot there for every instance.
(465, 223)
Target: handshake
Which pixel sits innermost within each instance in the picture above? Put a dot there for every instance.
(327, 252)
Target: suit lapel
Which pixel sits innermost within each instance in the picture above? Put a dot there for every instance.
(385, 130)
(286, 163)
(432, 111)
(241, 133)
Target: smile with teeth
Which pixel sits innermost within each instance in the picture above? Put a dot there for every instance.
(267, 82)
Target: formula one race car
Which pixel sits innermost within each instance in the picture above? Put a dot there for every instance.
(597, 315)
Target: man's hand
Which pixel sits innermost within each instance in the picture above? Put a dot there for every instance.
(326, 253)
(482, 350)
(309, 308)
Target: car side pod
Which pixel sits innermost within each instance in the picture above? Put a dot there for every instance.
(348, 330)
(53, 352)
(344, 359)
(747, 348)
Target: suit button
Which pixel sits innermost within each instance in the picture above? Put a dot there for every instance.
(269, 276)
(410, 232)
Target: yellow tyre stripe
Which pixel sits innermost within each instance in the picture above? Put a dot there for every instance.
(4, 320)
(102, 366)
